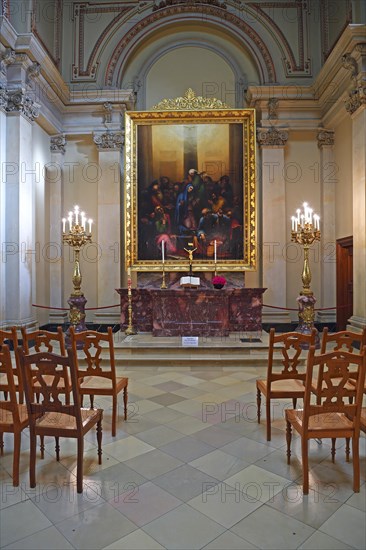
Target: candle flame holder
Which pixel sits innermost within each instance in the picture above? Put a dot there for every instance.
(305, 231)
(76, 237)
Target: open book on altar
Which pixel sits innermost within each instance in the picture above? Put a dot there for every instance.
(190, 282)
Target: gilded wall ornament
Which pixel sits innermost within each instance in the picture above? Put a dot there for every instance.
(190, 102)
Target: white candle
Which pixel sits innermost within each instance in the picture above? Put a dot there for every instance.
(215, 252)
(298, 212)
(76, 210)
(90, 221)
(293, 223)
(128, 272)
(63, 225)
(83, 220)
(70, 220)
(163, 251)
(302, 220)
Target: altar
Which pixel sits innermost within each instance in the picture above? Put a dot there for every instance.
(193, 312)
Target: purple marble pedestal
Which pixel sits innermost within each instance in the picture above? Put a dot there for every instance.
(76, 316)
(193, 312)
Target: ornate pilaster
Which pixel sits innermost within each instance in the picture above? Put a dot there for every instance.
(272, 142)
(55, 183)
(328, 191)
(108, 227)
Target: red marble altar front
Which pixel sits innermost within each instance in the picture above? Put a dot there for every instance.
(193, 312)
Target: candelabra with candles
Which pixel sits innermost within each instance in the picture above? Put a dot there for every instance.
(130, 328)
(305, 231)
(76, 237)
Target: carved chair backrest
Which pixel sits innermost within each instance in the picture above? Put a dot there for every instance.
(91, 345)
(290, 344)
(342, 340)
(43, 340)
(6, 368)
(335, 369)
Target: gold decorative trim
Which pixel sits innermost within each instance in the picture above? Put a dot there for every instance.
(134, 119)
(190, 102)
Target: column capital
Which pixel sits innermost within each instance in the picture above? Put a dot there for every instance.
(325, 138)
(356, 98)
(270, 137)
(19, 101)
(58, 143)
(109, 140)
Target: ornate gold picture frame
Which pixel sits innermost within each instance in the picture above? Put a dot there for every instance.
(190, 182)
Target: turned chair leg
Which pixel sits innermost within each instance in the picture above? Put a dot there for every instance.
(259, 405)
(288, 440)
(125, 399)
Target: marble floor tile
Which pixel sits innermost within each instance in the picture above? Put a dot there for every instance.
(153, 464)
(159, 436)
(145, 503)
(138, 540)
(321, 541)
(219, 465)
(183, 529)
(224, 504)
(20, 521)
(187, 448)
(215, 436)
(115, 480)
(48, 539)
(167, 399)
(229, 541)
(247, 449)
(185, 482)
(268, 528)
(347, 524)
(127, 448)
(96, 527)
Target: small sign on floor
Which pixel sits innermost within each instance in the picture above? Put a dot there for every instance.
(189, 341)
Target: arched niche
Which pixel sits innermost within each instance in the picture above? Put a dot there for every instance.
(215, 64)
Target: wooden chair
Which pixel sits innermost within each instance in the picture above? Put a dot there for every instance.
(98, 377)
(13, 416)
(51, 417)
(44, 340)
(333, 417)
(343, 340)
(289, 382)
(11, 336)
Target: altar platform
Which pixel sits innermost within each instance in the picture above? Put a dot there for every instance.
(238, 349)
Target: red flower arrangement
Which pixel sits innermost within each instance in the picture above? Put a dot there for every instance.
(218, 280)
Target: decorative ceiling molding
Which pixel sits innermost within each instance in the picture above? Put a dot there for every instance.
(212, 13)
(81, 11)
(293, 68)
(55, 52)
(327, 13)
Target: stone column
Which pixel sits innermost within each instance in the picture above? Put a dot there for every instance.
(54, 178)
(327, 189)
(20, 246)
(3, 103)
(356, 106)
(108, 227)
(275, 231)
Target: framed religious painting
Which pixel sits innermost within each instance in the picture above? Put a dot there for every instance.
(190, 184)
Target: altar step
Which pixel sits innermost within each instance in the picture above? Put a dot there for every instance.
(143, 350)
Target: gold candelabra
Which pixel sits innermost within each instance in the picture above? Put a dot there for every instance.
(76, 237)
(305, 231)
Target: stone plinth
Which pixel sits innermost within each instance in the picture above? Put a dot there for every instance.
(193, 312)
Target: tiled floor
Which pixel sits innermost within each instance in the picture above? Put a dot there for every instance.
(191, 468)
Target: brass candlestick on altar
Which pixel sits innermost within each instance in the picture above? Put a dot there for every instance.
(163, 285)
(77, 237)
(305, 231)
(130, 328)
